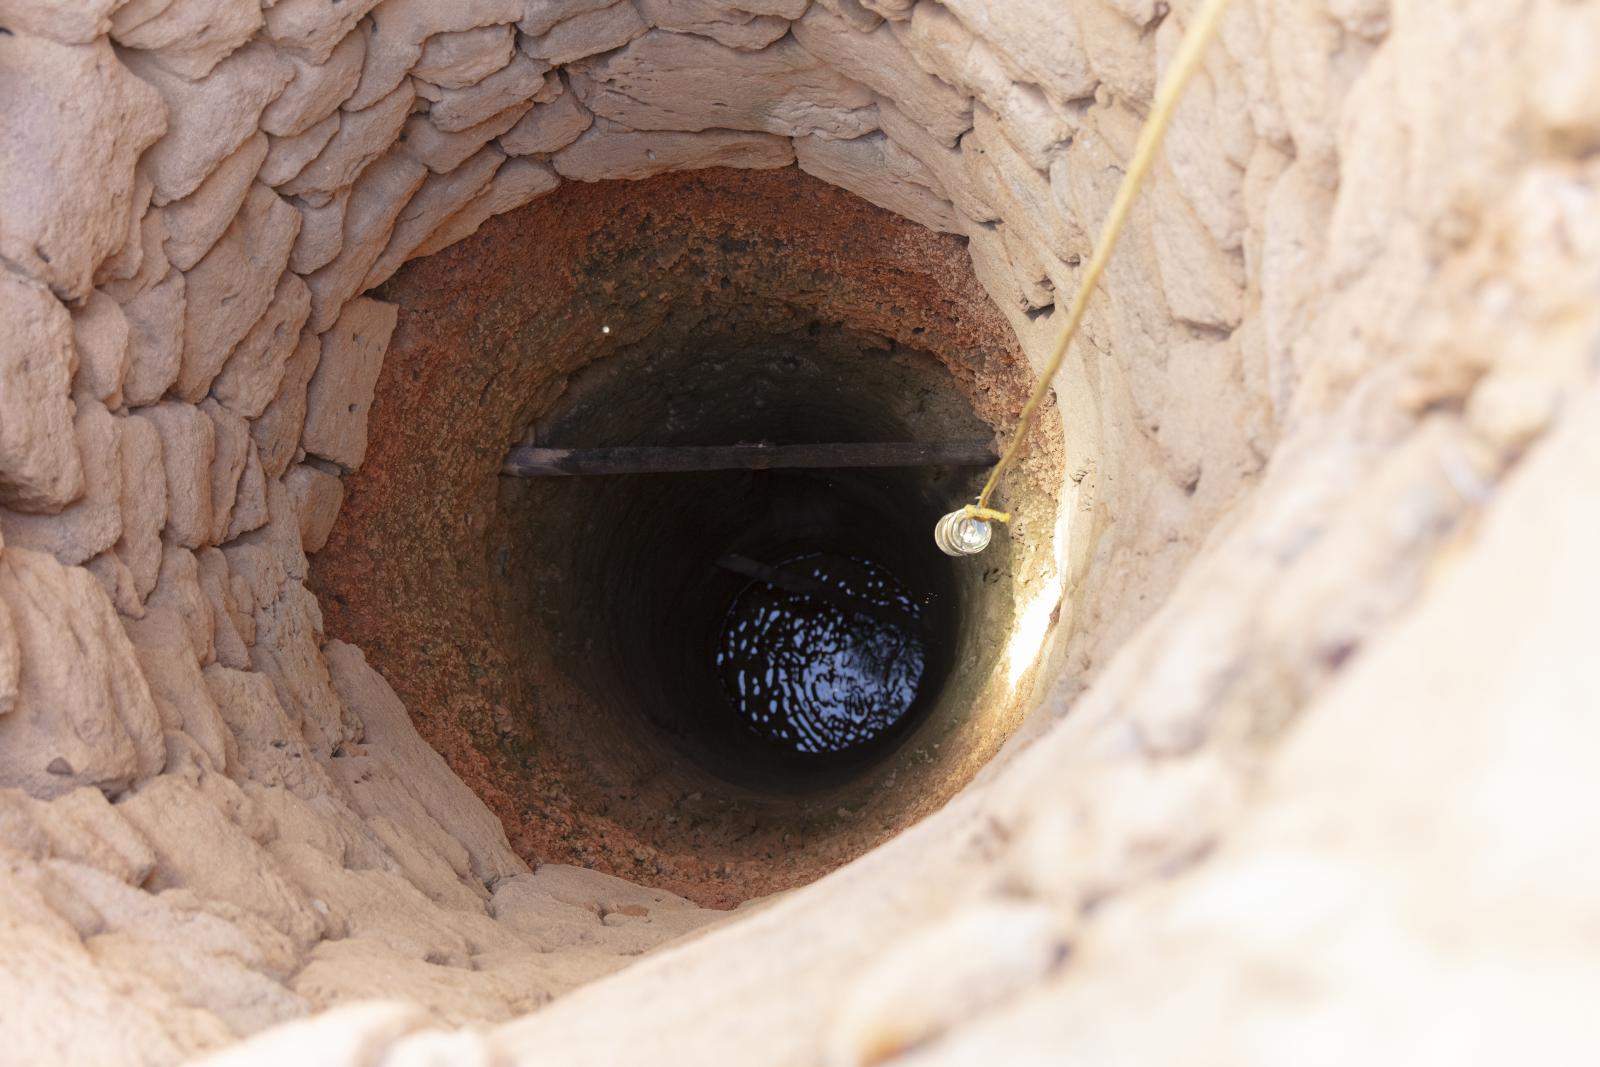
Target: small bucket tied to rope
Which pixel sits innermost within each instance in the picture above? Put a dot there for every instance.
(967, 531)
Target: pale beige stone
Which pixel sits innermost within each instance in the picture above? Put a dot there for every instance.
(259, 724)
(144, 502)
(321, 232)
(277, 430)
(167, 661)
(889, 9)
(363, 136)
(1302, 43)
(100, 335)
(943, 163)
(438, 198)
(874, 168)
(992, 265)
(251, 376)
(1563, 90)
(879, 60)
(250, 511)
(142, 263)
(587, 34)
(948, 49)
(209, 119)
(317, 89)
(127, 261)
(458, 109)
(1368, 207)
(1021, 194)
(75, 122)
(727, 26)
(1211, 141)
(610, 151)
(81, 828)
(1039, 41)
(77, 23)
(547, 128)
(1292, 255)
(178, 593)
(340, 394)
(515, 987)
(157, 1024)
(349, 1034)
(217, 584)
(939, 977)
(1028, 271)
(317, 497)
(155, 339)
(461, 58)
(400, 28)
(668, 81)
(313, 29)
(39, 466)
(241, 609)
(376, 201)
(539, 17)
(1139, 12)
(232, 446)
(783, 9)
(188, 37)
(852, 11)
(10, 662)
(289, 637)
(196, 222)
(93, 522)
(83, 714)
(197, 847)
(230, 289)
(288, 156)
(1207, 425)
(1204, 284)
(188, 447)
(1123, 57)
(558, 905)
(192, 953)
(442, 152)
(117, 580)
(517, 182)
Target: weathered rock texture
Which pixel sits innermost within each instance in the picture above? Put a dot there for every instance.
(1324, 595)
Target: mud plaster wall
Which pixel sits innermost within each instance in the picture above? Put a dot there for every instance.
(1369, 255)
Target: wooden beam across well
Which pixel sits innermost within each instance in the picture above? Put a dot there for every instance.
(527, 461)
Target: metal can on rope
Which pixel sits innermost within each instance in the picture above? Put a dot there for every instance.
(959, 534)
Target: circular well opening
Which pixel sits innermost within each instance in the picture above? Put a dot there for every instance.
(556, 639)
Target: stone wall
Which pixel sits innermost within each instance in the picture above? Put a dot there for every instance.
(1338, 396)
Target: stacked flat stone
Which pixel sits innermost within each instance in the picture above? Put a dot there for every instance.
(1347, 235)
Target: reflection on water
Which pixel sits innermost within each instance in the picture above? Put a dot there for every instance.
(823, 673)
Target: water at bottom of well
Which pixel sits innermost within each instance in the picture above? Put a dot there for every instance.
(823, 672)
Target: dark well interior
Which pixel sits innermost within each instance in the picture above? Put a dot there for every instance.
(553, 639)
(621, 573)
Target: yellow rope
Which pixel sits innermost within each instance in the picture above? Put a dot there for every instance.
(1187, 61)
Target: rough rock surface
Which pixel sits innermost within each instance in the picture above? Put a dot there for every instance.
(340, 393)
(82, 713)
(1330, 448)
(667, 81)
(39, 465)
(66, 174)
